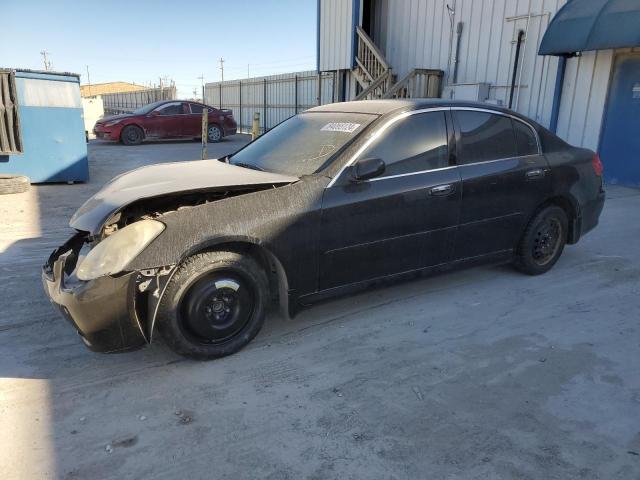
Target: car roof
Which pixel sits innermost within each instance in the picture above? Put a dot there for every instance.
(383, 107)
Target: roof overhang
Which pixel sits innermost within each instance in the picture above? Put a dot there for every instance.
(583, 25)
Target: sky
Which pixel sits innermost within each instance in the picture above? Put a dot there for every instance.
(142, 40)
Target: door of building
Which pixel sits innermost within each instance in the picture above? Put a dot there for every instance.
(620, 142)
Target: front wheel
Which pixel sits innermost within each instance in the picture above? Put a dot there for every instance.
(132, 135)
(214, 305)
(542, 242)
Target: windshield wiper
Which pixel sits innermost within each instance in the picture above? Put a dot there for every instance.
(248, 165)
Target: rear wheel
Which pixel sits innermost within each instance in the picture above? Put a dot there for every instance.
(132, 135)
(214, 133)
(214, 305)
(542, 242)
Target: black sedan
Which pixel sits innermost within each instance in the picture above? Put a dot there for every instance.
(333, 200)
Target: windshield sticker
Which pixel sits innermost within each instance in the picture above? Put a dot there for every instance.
(340, 127)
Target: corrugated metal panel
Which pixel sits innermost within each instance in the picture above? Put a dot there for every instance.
(10, 132)
(336, 34)
(584, 96)
(128, 101)
(280, 96)
(419, 35)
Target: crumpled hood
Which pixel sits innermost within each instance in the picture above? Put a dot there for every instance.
(162, 179)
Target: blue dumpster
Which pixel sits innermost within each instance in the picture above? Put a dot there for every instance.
(51, 127)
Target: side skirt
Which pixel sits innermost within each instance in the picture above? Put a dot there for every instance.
(503, 256)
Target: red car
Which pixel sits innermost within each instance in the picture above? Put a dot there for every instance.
(165, 119)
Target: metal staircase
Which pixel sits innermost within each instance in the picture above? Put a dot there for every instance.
(377, 80)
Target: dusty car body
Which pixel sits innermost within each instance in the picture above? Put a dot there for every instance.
(353, 222)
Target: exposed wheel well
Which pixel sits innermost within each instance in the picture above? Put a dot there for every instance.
(571, 210)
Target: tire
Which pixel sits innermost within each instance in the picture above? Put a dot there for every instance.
(214, 133)
(214, 305)
(131, 135)
(542, 242)
(13, 184)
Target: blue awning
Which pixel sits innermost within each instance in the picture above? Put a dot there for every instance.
(583, 25)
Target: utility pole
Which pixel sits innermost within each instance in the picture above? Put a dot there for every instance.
(88, 81)
(247, 70)
(47, 62)
(201, 78)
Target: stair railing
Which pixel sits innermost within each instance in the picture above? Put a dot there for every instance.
(369, 58)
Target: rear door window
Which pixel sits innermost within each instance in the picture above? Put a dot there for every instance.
(484, 136)
(170, 109)
(413, 144)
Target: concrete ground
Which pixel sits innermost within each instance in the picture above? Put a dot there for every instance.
(484, 373)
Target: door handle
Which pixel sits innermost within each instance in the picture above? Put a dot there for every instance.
(441, 190)
(535, 173)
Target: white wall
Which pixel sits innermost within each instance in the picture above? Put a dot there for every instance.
(418, 34)
(92, 110)
(584, 97)
(336, 34)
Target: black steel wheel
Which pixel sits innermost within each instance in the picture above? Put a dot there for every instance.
(214, 305)
(214, 133)
(543, 241)
(132, 135)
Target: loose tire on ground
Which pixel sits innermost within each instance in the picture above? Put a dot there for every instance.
(13, 184)
(214, 133)
(214, 305)
(542, 242)
(131, 135)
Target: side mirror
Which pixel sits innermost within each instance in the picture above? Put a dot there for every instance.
(154, 113)
(367, 168)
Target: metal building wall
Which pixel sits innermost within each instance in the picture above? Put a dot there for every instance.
(421, 34)
(336, 34)
(584, 96)
(245, 97)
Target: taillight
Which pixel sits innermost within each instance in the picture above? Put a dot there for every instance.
(597, 164)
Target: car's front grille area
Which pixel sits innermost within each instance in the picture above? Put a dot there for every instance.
(73, 245)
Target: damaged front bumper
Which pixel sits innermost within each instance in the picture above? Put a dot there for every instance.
(103, 311)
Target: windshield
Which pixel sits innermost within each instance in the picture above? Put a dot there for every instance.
(147, 108)
(302, 144)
